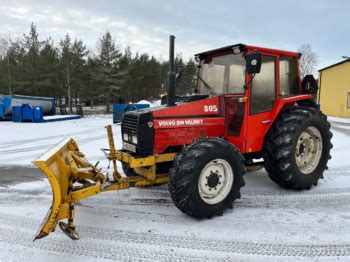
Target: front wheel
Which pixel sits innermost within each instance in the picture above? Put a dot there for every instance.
(207, 177)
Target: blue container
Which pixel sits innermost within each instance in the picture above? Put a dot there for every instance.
(38, 114)
(120, 109)
(2, 111)
(27, 113)
(16, 114)
(9, 101)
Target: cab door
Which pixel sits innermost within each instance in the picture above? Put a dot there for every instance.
(262, 98)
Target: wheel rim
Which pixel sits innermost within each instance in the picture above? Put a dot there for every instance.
(309, 150)
(215, 181)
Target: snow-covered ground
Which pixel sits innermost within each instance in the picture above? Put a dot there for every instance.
(20, 143)
(267, 223)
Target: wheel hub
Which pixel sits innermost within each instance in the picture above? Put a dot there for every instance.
(215, 181)
(309, 150)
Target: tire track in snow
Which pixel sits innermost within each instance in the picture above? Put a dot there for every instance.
(281, 198)
(22, 237)
(162, 211)
(36, 148)
(31, 140)
(91, 249)
(344, 131)
(48, 146)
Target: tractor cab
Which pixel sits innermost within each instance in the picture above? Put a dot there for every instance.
(232, 69)
(253, 82)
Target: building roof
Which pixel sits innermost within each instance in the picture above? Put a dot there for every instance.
(336, 64)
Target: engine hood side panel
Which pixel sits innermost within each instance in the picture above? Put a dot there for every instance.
(209, 107)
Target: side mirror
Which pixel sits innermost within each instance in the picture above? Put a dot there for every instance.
(309, 85)
(253, 63)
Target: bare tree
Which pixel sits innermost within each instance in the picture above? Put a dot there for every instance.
(308, 61)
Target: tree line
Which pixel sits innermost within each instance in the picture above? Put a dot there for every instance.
(73, 75)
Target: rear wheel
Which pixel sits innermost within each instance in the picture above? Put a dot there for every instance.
(297, 148)
(207, 177)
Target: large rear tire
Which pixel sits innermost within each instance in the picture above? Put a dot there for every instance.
(297, 148)
(207, 177)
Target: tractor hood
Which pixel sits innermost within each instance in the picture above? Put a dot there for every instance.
(143, 130)
(205, 108)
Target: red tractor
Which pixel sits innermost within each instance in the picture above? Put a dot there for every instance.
(250, 109)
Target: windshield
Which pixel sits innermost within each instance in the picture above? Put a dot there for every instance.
(223, 74)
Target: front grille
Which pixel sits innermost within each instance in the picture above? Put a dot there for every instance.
(130, 123)
(136, 123)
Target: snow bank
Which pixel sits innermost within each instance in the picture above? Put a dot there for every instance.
(339, 119)
(157, 103)
(145, 102)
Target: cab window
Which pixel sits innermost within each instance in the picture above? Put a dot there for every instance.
(289, 79)
(263, 87)
(223, 74)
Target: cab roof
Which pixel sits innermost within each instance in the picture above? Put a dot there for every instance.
(248, 48)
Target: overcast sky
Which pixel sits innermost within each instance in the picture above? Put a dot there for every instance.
(197, 25)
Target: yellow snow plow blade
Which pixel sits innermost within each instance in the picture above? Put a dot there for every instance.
(73, 178)
(65, 166)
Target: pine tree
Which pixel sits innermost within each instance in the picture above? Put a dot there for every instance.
(66, 61)
(29, 66)
(125, 64)
(91, 92)
(79, 54)
(17, 69)
(109, 56)
(33, 47)
(5, 73)
(189, 77)
(49, 79)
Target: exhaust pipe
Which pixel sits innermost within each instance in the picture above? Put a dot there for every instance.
(171, 73)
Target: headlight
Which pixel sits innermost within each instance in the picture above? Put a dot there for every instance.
(134, 139)
(125, 137)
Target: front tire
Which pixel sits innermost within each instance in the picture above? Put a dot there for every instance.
(207, 177)
(297, 148)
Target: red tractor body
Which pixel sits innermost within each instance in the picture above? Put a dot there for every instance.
(225, 115)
